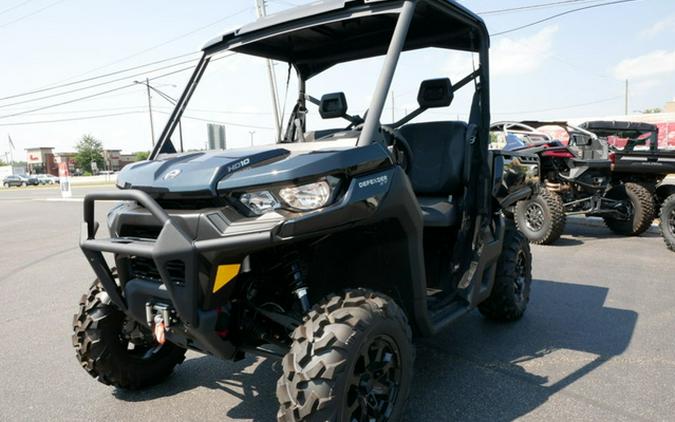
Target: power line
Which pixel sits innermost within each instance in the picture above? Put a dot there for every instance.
(63, 85)
(221, 122)
(98, 94)
(16, 6)
(93, 78)
(557, 15)
(154, 47)
(72, 119)
(534, 6)
(560, 108)
(20, 18)
(84, 88)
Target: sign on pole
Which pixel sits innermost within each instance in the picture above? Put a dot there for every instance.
(64, 180)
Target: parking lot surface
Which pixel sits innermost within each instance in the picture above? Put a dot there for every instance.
(595, 344)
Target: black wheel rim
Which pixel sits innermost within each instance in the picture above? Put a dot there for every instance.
(671, 221)
(534, 216)
(520, 279)
(375, 382)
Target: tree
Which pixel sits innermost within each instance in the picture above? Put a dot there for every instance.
(89, 149)
(142, 155)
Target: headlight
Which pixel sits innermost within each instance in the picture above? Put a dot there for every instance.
(306, 197)
(259, 202)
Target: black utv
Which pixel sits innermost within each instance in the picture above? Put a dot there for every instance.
(575, 179)
(330, 250)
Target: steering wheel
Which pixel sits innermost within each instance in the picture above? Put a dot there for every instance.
(402, 152)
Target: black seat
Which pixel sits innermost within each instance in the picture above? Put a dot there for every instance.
(437, 169)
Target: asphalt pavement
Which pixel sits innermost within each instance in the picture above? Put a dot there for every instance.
(596, 342)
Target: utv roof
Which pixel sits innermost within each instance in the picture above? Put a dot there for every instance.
(602, 125)
(534, 125)
(317, 36)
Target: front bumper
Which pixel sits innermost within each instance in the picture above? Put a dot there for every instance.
(172, 245)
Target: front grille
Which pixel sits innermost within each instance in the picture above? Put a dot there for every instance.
(188, 203)
(145, 268)
(142, 232)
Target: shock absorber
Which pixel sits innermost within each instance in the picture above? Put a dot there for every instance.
(297, 284)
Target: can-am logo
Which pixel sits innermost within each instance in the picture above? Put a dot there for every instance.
(172, 174)
(379, 181)
(239, 164)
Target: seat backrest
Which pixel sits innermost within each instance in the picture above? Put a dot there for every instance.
(438, 157)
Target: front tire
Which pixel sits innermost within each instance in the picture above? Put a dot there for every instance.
(351, 360)
(642, 209)
(117, 351)
(511, 291)
(667, 224)
(542, 218)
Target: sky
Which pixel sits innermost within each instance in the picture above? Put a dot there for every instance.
(572, 66)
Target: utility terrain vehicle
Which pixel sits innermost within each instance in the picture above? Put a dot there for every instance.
(575, 180)
(635, 155)
(327, 250)
(636, 158)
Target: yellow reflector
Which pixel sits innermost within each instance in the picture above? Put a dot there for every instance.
(224, 275)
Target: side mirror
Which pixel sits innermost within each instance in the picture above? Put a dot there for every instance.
(333, 105)
(435, 93)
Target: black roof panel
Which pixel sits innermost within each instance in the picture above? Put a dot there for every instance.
(322, 34)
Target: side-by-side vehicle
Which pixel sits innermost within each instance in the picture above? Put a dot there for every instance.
(330, 250)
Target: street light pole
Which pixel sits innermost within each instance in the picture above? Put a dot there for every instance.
(251, 132)
(152, 125)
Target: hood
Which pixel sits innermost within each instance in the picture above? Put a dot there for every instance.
(208, 172)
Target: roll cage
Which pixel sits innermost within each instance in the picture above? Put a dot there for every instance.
(314, 38)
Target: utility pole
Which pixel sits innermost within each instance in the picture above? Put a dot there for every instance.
(393, 116)
(625, 100)
(251, 132)
(152, 125)
(169, 99)
(261, 12)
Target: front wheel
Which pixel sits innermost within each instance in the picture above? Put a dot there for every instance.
(542, 218)
(351, 360)
(116, 350)
(667, 224)
(23, 184)
(641, 209)
(511, 291)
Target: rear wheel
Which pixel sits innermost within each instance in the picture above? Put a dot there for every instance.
(116, 350)
(667, 224)
(542, 218)
(351, 360)
(6, 185)
(511, 291)
(641, 209)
